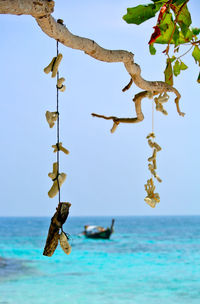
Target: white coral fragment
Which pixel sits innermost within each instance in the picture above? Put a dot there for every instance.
(53, 65)
(51, 118)
(154, 145)
(59, 147)
(162, 98)
(61, 87)
(64, 243)
(153, 157)
(58, 180)
(56, 65)
(48, 69)
(152, 134)
(152, 198)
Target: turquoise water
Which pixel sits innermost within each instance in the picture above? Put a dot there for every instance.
(148, 260)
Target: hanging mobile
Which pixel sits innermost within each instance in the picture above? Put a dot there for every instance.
(153, 198)
(62, 210)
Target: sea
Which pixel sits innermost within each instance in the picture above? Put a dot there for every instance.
(148, 260)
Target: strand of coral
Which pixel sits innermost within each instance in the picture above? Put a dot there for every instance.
(57, 178)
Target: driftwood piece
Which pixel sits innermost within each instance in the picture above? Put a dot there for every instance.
(59, 218)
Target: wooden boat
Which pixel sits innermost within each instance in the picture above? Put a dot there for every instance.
(98, 232)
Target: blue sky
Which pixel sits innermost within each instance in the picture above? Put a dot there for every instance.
(106, 172)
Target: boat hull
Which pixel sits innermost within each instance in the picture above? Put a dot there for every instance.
(99, 235)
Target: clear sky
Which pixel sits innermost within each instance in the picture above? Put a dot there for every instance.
(106, 172)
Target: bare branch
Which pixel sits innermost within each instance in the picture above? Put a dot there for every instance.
(137, 99)
(127, 87)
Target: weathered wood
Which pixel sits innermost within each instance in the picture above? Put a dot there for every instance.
(57, 221)
(35, 8)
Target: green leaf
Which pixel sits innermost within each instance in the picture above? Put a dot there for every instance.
(160, 1)
(198, 79)
(172, 58)
(141, 13)
(176, 36)
(178, 2)
(166, 26)
(168, 73)
(196, 54)
(183, 66)
(185, 39)
(184, 18)
(196, 31)
(152, 49)
(176, 68)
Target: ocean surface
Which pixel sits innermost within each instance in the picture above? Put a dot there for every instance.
(148, 260)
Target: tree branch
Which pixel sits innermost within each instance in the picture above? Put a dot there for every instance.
(35, 8)
(41, 11)
(138, 109)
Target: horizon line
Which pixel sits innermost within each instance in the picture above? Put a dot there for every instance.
(132, 215)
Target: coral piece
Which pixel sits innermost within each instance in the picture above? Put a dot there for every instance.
(159, 107)
(58, 180)
(158, 148)
(51, 118)
(153, 157)
(49, 68)
(60, 85)
(162, 98)
(53, 65)
(59, 147)
(152, 198)
(158, 178)
(154, 164)
(151, 169)
(54, 189)
(159, 100)
(153, 172)
(152, 134)
(56, 65)
(55, 171)
(152, 201)
(154, 145)
(64, 243)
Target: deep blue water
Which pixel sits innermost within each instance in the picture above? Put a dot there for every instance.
(148, 260)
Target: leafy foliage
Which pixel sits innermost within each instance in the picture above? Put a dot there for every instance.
(152, 49)
(173, 27)
(196, 54)
(141, 13)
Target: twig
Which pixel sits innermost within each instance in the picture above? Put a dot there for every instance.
(127, 87)
(137, 100)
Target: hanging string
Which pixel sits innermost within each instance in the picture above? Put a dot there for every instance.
(152, 115)
(152, 176)
(58, 126)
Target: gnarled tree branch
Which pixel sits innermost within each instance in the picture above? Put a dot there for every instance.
(138, 109)
(41, 10)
